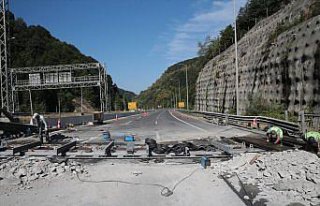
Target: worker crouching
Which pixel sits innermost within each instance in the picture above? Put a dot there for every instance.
(313, 141)
(275, 133)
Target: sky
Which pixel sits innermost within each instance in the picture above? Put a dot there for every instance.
(137, 40)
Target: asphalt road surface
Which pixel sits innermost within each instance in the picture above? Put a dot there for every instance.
(161, 125)
(190, 184)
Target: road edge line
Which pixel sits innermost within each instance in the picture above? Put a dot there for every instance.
(191, 125)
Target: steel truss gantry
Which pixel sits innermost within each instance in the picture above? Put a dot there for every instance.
(51, 77)
(20, 79)
(5, 78)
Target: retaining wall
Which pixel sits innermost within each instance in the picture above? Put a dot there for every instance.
(284, 69)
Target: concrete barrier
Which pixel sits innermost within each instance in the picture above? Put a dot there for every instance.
(84, 119)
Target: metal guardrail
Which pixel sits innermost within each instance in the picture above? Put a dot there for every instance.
(312, 114)
(79, 120)
(285, 125)
(312, 120)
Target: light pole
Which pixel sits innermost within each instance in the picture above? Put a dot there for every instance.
(187, 88)
(179, 91)
(31, 104)
(236, 55)
(81, 101)
(176, 96)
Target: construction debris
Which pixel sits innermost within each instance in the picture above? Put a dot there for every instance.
(279, 178)
(24, 171)
(178, 148)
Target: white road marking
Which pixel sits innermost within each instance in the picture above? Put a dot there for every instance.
(90, 139)
(187, 123)
(120, 118)
(195, 118)
(127, 123)
(158, 136)
(157, 118)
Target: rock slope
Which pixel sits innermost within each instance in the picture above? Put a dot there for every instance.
(279, 59)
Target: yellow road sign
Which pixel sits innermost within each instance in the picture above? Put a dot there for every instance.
(132, 105)
(181, 104)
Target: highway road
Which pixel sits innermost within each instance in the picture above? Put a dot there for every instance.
(136, 182)
(162, 125)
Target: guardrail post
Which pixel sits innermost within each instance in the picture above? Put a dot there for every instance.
(227, 119)
(302, 122)
(286, 115)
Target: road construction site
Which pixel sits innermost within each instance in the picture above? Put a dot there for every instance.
(162, 157)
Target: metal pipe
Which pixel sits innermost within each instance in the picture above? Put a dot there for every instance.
(81, 100)
(236, 56)
(187, 88)
(30, 97)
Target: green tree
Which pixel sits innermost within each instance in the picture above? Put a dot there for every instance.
(35, 46)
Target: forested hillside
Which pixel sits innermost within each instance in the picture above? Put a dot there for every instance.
(161, 92)
(35, 46)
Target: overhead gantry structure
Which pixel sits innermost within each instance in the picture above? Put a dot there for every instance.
(5, 79)
(14, 80)
(60, 77)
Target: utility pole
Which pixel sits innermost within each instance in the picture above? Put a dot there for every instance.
(179, 91)
(187, 88)
(301, 93)
(236, 56)
(59, 105)
(106, 89)
(174, 100)
(81, 101)
(176, 97)
(30, 98)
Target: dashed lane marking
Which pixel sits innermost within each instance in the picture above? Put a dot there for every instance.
(127, 123)
(157, 118)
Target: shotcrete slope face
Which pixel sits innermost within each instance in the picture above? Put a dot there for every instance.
(285, 69)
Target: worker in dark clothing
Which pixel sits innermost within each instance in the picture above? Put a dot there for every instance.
(275, 132)
(40, 122)
(313, 140)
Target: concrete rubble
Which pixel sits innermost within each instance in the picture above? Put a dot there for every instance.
(23, 171)
(281, 178)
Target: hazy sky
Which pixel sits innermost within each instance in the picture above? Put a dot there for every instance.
(137, 39)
